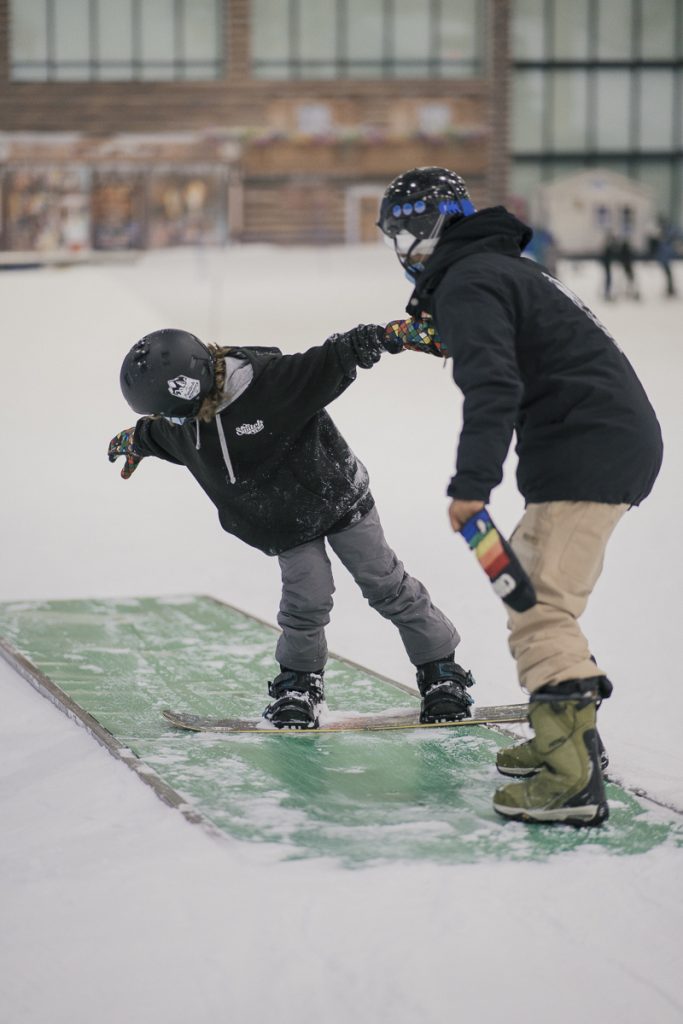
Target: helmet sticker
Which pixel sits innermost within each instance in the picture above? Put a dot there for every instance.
(183, 387)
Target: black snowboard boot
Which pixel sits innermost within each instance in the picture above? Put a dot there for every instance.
(443, 685)
(298, 696)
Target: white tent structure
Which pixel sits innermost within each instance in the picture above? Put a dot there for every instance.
(581, 209)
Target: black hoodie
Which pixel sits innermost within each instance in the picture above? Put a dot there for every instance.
(295, 477)
(529, 356)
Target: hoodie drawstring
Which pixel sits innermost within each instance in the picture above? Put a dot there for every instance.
(224, 449)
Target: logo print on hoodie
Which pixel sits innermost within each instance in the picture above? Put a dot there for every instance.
(249, 428)
(183, 387)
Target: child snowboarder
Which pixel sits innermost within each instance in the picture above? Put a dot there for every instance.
(250, 425)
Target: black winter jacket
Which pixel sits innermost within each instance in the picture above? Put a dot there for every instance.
(295, 476)
(529, 356)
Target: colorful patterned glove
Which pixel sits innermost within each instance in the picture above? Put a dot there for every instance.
(418, 335)
(123, 444)
(499, 562)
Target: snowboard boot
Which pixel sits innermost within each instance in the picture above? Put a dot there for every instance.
(569, 787)
(443, 685)
(524, 759)
(297, 699)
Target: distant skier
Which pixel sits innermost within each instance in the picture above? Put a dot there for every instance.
(250, 425)
(529, 356)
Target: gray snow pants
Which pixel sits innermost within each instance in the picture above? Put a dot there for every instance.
(308, 586)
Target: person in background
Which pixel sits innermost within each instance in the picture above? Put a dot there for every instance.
(529, 357)
(618, 250)
(250, 425)
(665, 246)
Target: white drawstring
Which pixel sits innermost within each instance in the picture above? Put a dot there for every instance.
(224, 449)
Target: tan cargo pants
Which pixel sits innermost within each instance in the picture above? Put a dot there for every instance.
(561, 544)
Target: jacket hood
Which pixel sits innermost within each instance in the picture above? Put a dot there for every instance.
(493, 230)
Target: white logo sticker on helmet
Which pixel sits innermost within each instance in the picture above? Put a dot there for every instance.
(183, 387)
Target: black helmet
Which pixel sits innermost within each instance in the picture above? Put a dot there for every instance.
(167, 373)
(417, 206)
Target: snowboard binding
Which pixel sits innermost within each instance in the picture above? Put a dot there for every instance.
(443, 685)
(297, 699)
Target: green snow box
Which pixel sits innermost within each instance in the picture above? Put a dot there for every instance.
(360, 798)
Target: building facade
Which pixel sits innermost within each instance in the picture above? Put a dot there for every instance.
(163, 122)
(160, 122)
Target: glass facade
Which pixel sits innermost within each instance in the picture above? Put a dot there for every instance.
(102, 40)
(322, 39)
(598, 83)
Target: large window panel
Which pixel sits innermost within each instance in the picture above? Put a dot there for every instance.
(614, 36)
(569, 110)
(367, 38)
(202, 37)
(158, 39)
(527, 40)
(365, 35)
(269, 38)
(115, 40)
(656, 126)
(412, 39)
(527, 112)
(461, 36)
(75, 40)
(612, 110)
(570, 30)
(201, 31)
(72, 39)
(28, 34)
(317, 37)
(658, 30)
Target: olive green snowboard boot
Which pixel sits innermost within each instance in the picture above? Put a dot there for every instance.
(525, 759)
(568, 787)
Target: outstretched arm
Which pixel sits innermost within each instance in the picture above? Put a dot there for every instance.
(124, 444)
(136, 443)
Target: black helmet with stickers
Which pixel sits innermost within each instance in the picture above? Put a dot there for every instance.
(167, 373)
(417, 206)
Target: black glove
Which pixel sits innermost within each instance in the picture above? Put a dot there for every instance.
(499, 562)
(123, 444)
(368, 342)
(418, 335)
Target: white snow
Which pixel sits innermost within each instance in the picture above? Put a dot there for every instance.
(112, 906)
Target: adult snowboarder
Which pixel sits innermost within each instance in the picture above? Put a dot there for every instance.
(530, 357)
(250, 425)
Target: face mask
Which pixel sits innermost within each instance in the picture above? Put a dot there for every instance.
(415, 250)
(177, 421)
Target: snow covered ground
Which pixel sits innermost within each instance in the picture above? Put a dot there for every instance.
(112, 907)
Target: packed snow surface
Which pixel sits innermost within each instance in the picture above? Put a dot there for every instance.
(114, 907)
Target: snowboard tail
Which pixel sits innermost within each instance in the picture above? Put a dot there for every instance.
(381, 721)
